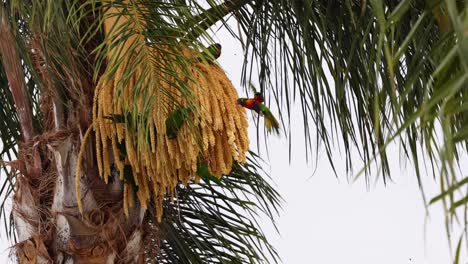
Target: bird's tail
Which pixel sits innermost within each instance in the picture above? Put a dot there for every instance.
(271, 123)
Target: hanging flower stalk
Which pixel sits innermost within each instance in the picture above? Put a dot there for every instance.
(155, 143)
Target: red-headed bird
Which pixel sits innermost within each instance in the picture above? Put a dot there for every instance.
(257, 105)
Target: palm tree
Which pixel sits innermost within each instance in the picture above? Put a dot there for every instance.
(118, 125)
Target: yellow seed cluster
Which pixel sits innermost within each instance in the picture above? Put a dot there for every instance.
(215, 132)
(217, 135)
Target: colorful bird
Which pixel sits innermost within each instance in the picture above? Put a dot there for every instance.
(258, 97)
(257, 105)
(252, 103)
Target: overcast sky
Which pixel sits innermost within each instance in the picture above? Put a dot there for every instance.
(327, 220)
(331, 221)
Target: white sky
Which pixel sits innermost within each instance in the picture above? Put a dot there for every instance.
(330, 221)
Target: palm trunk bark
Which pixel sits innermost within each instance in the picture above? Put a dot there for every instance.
(55, 231)
(63, 235)
(49, 225)
(101, 234)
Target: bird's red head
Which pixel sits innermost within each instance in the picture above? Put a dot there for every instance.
(259, 98)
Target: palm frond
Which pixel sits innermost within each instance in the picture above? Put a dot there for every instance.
(9, 138)
(155, 40)
(208, 222)
(54, 59)
(398, 74)
(298, 45)
(365, 73)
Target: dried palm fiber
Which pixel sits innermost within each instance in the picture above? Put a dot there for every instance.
(215, 131)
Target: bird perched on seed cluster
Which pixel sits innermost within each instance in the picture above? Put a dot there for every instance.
(210, 54)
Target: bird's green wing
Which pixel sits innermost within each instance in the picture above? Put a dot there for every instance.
(119, 118)
(204, 173)
(270, 121)
(128, 119)
(129, 178)
(175, 120)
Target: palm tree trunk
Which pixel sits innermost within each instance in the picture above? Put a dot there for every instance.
(56, 231)
(49, 226)
(101, 234)
(63, 235)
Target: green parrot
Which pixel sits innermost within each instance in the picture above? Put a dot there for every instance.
(204, 173)
(175, 120)
(210, 54)
(129, 179)
(119, 118)
(127, 118)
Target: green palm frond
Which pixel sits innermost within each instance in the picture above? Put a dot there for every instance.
(298, 45)
(398, 73)
(9, 138)
(215, 223)
(365, 74)
(55, 65)
(393, 68)
(160, 56)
